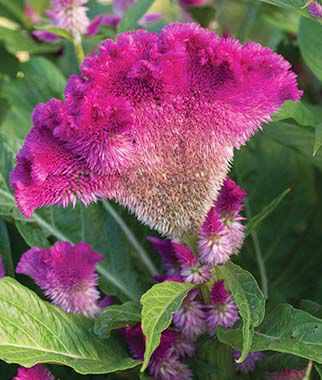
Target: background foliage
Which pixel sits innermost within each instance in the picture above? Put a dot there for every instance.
(283, 249)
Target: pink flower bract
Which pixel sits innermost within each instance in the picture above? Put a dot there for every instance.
(66, 274)
(152, 122)
(38, 372)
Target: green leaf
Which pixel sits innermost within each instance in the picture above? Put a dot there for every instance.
(13, 10)
(318, 369)
(203, 15)
(287, 330)
(249, 299)
(318, 139)
(5, 249)
(263, 214)
(133, 15)
(312, 308)
(310, 42)
(115, 317)
(296, 111)
(34, 331)
(58, 31)
(9, 63)
(295, 5)
(159, 304)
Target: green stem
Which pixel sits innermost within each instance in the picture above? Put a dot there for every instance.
(308, 370)
(257, 248)
(79, 51)
(142, 254)
(251, 11)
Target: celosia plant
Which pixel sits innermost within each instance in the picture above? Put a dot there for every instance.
(153, 109)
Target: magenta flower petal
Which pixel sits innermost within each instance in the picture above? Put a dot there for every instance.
(222, 310)
(249, 364)
(45, 36)
(66, 275)
(152, 123)
(191, 3)
(315, 9)
(230, 198)
(2, 270)
(38, 372)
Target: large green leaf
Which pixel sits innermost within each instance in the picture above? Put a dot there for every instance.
(159, 304)
(287, 330)
(297, 111)
(13, 10)
(117, 316)
(310, 42)
(133, 15)
(34, 331)
(318, 139)
(249, 299)
(295, 5)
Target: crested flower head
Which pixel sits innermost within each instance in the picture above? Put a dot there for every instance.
(66, 275)
(152, 122)
(315, 9)
(2, 270)
(287, 374)
(192, 270)
(222, 310)
(249, 364)
(70, 15)
(38, 372)
(214, 243)
(191, 318)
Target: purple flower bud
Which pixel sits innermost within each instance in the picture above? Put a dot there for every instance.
(66, 275)
(249, 364)
(222, 311)
(315, 9)
(45, 36)
(38, 372)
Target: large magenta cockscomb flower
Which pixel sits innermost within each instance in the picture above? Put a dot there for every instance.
(66, 275)
(287, 374)
(38, 372)
(249, 364)
(152, 122)
(222, 310)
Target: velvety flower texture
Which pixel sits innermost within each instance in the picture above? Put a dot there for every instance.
(287, 374)
(315, 9)
(249, 364)
(165, 362)
(152, 122)
(66, 275)
(38, 372)
(222, 310)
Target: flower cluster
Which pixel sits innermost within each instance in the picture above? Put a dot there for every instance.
(165, 363)
(249, 364)
(38, 372)
(152, 122)
(66, 275)
(315, 9)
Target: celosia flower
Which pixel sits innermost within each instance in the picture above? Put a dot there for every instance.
(183, 347)
(38, 372)
(31, 15)
(191, 318)
(70, 15)
(214, 245)
(164, 363)
(165, 249)
(287, 374)
(2, 270)
(222, 310)
(66, 275)
(315, 9)
(249, 364)
(152, 122)
(192, 270)
(105, 302)
(45, 36)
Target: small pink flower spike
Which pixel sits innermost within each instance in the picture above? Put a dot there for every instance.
(66, 275)
(191, 269)
(249, 364)
(315, 9)
(191, 318)
(38, 372)
(214, 245)
(152, 122)
(2, 270)
(230, 199)
(222, 310)
(287, 374)
(31, 15)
